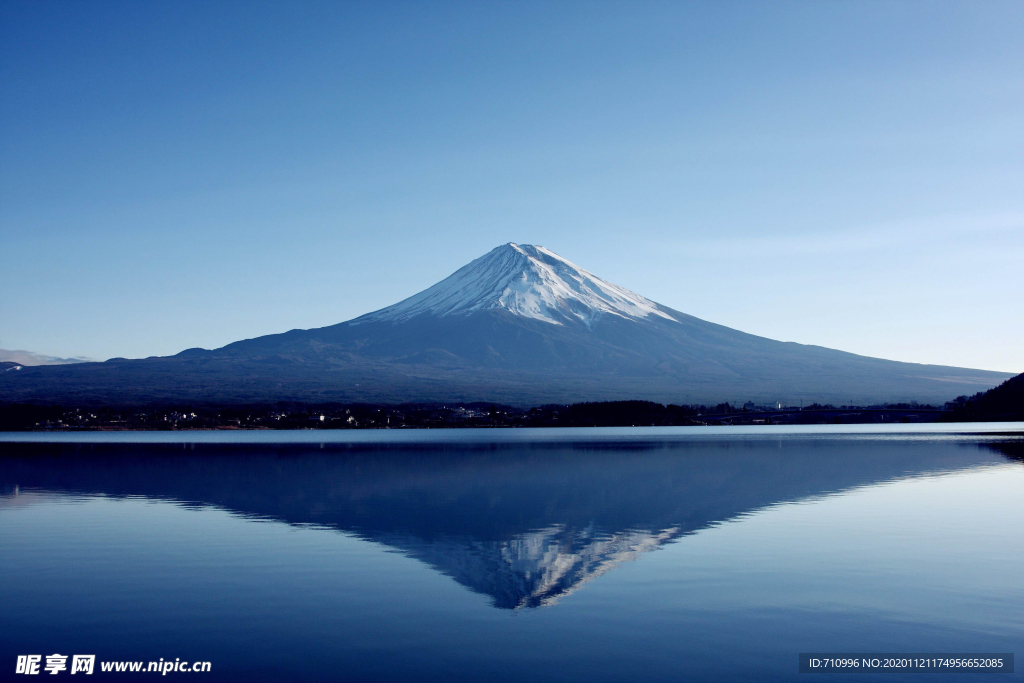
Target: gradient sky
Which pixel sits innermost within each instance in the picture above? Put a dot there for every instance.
(177, 174)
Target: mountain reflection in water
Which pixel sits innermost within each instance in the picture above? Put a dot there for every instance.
(524, 524)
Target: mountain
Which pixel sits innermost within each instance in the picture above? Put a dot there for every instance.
(20, 357)
(518, 325)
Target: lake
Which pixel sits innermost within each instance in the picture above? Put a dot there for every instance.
(634, 554)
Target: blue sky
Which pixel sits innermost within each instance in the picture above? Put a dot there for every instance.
(188, 174)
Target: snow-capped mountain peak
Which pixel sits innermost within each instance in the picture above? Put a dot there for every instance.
(526, 280)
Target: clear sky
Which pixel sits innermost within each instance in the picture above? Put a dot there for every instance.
(178, 174)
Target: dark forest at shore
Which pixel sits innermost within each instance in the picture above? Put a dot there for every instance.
(1003, 403)
(20, 417)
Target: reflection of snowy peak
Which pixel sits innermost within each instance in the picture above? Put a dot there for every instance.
(537, 568)
(526, 280)
(521, 522)
(558, 561)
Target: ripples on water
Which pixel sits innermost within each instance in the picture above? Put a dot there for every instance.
(595, 556)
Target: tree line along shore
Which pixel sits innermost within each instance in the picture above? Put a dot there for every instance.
(27, 417)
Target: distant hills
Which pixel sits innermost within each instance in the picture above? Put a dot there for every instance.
(519, 325)
(21, 357)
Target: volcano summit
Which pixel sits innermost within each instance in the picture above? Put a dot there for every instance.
(518, 325)
(525, 280)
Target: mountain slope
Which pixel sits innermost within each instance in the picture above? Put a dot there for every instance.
(518, 325)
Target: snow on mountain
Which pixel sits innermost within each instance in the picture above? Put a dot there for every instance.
(526, 280)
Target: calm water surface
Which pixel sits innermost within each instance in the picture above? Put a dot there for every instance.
(540, 555)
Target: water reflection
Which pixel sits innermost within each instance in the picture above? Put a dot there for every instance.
(524, 525)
